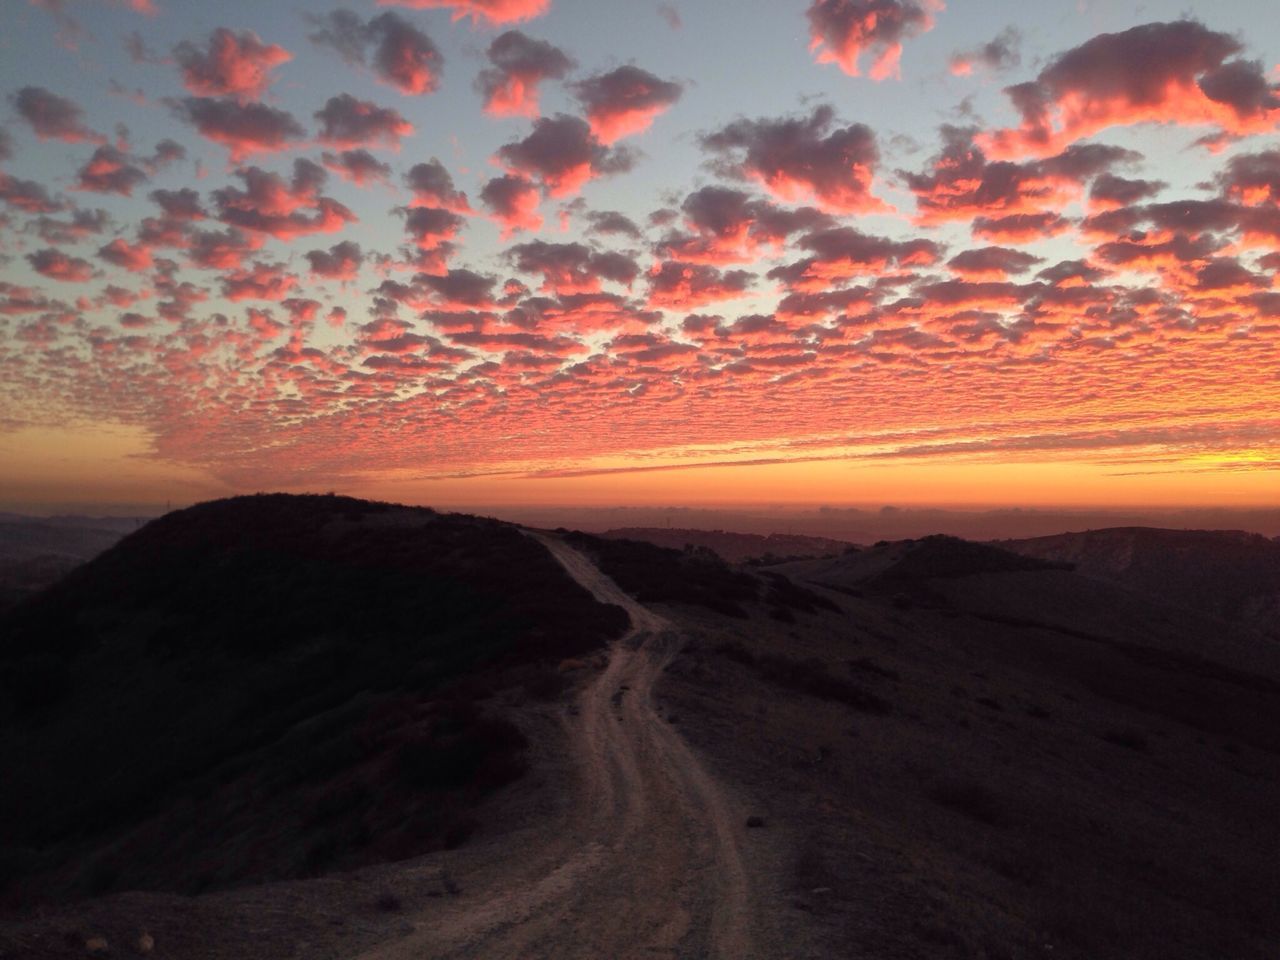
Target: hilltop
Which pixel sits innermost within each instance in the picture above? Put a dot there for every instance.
(271, 686)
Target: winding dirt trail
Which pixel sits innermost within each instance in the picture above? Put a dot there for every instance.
(646, 865)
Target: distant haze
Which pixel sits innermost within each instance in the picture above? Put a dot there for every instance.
(866, 525)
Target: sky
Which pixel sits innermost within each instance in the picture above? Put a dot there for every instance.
(692, 252)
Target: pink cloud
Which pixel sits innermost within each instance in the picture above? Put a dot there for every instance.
(1155, 73)
(342, 261)
(27, 195)
(268, 204)
(841, 31)
(121, 254)
(624, 101)
(432, 186)
(685, 286)
(234, 64)
(348, 122)
(403, 56)
(513, 201)
(244, 129)
(56, 265)
(803, 159)
(357, 166)
(110, 171)
(568, 268)
(491, 11)
(520, 65)
(261, 281)
(562, 153)
(731, 226)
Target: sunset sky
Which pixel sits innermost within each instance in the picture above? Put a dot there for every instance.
(576, 251)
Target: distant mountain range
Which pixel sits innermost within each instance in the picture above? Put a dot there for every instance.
(734, 547)
(1232, 574)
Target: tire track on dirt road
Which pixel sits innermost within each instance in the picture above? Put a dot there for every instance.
(648, 862)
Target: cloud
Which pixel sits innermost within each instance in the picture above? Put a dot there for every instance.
(686, 286)
(610, 222)
(731, 226)
(183, 204)
(1227, 274)
(244, 129)
(432, 186)
(568, 268)
(235, 65)
(342, 261)
(841, 31)
(53, 117)
(138, 50)
(1252, 179)
(220, 249)
(513, 201)
(27, 195)
(110, 171)
(128, 257)
(6, 145)
(839, 253)
(460, 288)
(1108, 191)
(358, 166)
(83, 224)
(961, 182)
(430, 228)
(268, 204)
(1155, 73)
(56, 265)
(669, 13)
(987, 263)
(624, 101)
(562, 153)
(803, 159)
(491, 11)
(998, 54)
(261, 281)
(520, 64)
(348, 122)
(1020, 227)
(167, 153)
(402, 56)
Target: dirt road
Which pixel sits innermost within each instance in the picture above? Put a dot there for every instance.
(646, 865)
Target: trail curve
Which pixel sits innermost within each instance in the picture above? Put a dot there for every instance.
(646, 865)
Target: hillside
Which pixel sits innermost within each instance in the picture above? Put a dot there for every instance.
(924, 748)
(1233, 574)
(307, 673)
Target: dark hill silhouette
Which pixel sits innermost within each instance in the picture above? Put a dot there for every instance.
(1231, 573)
(320, 655)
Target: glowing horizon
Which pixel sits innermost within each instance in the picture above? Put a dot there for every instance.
(470, 252)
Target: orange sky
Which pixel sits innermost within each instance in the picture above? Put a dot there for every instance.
(926, 258)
